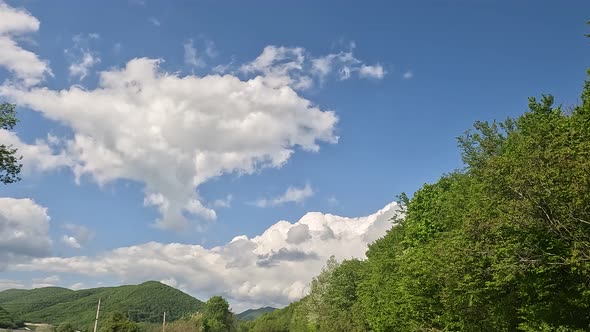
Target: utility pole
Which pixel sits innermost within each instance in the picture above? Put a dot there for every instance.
(97, 311)
(164, 323)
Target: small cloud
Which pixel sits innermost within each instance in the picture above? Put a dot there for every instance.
(223, 203)
(408, 75)
(191, 57)
(293, 194)
(78, 237)
(77, 286)
(170, 282)
(45, 282)
(81, 67)
(154, 21)
(376, 71)
(81, 57)
(71, 242)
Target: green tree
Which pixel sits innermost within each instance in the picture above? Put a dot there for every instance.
(217, 316)
(118, 322)
(9, 161)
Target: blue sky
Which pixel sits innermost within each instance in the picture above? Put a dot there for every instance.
(421, 73)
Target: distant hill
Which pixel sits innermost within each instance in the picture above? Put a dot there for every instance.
(252, 314)
(143, 303)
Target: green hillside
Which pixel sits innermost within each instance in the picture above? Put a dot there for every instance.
(252, 314)
(143, 303)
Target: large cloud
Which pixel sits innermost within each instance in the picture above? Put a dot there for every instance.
(271, 269)
(26, 66)
(24, 227)
(174, 133)
(170, 132)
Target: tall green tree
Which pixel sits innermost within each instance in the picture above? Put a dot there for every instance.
(9, 160)
(217, 316)
(118, 322)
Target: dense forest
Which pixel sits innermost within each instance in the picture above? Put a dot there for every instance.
(500, 245)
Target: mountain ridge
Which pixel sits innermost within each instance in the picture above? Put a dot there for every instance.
(252, 314)
(144, 302)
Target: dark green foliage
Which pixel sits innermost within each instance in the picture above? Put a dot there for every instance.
(141, 303)
(291, 318)
(65, 327)
(118, 322)
(9, 161)
(217, 317)
(7, 321)
(502, 245)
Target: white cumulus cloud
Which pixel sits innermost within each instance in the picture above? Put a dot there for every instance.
(26, 66)
(174, 133)
(273, 268)
(24, 227)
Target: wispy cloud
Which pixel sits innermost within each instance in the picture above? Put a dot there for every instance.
(293, 194)
(223, 203)
(82, 59)
(191, 57)
(408, 75)
(196, 56)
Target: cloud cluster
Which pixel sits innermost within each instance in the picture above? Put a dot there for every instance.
(24, 227)
(294, 67)
(26, 66)
(273, 268)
